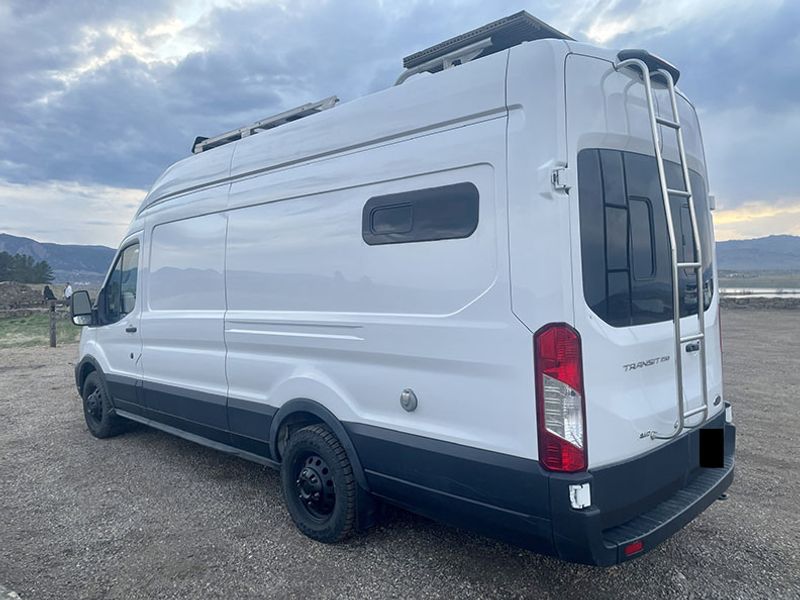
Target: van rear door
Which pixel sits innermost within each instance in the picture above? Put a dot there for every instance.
(622, 265)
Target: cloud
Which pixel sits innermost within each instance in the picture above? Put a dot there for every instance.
(752, 154)
(740, 65)
(68, 212)
(106, 95)
(757, 219)
(107, 103)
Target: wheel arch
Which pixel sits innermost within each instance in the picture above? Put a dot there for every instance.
(86, 365)
(298, 411)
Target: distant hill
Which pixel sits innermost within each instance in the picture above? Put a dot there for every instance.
(88, 264)
(773, 253)
(70, 262)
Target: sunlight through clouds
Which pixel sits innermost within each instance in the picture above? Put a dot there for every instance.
(757, 219)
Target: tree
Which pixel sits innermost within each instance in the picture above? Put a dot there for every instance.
(42, 272)
(24, 269)
(5, 266)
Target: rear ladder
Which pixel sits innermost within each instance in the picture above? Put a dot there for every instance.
(697, 266)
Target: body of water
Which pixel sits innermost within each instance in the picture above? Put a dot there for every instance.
(741, 292)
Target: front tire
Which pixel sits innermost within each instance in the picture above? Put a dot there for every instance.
(318, 485)
(101, 420)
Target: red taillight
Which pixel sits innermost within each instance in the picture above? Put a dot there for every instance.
(634, 548)
(559, 398)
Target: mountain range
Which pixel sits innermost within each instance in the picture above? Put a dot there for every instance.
(772, 253)
(70, 262)
(88, 264)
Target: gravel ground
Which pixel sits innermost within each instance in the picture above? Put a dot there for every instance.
(148, 515)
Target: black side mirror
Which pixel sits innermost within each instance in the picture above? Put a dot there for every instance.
(81, 308)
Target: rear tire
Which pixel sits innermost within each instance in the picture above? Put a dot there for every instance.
(101, 420)
(318, 485)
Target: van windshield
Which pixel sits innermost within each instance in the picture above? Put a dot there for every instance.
(624, 241)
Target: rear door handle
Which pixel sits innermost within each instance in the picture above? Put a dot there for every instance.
(693, 347)
(130, 329)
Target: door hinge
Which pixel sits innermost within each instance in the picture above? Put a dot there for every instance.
(562, 179)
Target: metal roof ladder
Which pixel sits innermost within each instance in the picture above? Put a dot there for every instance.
(697, 266)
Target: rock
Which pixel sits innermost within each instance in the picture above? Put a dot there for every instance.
(20, 295)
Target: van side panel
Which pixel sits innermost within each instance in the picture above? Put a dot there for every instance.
(185, 385)
(314, 309)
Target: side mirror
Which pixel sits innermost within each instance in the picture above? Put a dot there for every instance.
(81, 308)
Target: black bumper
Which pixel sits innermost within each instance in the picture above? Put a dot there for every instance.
(514, 499)
(644, 500)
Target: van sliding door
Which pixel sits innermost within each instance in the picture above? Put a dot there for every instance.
(184, 347)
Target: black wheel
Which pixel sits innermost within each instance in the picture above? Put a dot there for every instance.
(318, 484)
(97, 409)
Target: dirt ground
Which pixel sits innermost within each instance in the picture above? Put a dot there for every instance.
(147, 515)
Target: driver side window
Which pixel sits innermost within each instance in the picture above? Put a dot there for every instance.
(120, 291)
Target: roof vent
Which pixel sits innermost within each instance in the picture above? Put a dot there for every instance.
(483, 41)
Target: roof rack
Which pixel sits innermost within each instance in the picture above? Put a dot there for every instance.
(201, 144)
(483, 41)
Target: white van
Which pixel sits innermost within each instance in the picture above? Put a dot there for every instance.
(462, 295)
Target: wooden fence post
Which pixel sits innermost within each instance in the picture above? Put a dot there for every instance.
(52, 323)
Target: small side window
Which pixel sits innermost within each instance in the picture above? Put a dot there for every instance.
(440, 213)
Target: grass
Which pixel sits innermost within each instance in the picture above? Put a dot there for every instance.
(35, 331)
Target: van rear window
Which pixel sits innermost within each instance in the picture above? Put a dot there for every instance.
(624, 241)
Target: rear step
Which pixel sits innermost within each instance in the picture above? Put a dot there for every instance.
(677, 511)
(638, 62)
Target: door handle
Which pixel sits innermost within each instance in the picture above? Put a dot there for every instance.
(693, 347)
(130, 329)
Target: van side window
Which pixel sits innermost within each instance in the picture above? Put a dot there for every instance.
(440, 213)
(627, 273)
(120, 290)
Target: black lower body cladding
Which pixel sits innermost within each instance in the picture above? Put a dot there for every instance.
(646, 499)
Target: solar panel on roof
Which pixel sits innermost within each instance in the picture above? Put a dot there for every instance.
(505, 33)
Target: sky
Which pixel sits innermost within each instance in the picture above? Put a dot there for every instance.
(98, 97)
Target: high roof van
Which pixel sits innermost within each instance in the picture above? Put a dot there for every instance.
(487, 294)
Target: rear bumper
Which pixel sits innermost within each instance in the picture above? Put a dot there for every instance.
(646, 499)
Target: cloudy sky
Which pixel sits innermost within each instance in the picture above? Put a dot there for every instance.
(98, 97)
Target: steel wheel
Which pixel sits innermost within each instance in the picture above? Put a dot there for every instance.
(98, 411)
(94, 405)
(318, 484)
(315, 487)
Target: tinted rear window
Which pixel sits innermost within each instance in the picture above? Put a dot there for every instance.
(624, 241)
